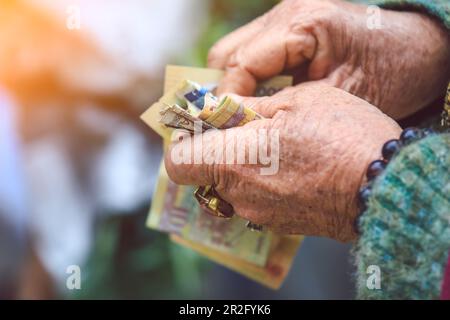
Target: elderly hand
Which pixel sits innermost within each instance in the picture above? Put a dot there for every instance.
(327, 137)
(399, 68)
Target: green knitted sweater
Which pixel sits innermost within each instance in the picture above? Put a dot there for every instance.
(439, 9)
(402, 252)
(405, 231)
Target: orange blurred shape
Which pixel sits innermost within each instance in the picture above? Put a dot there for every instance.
(37, 50)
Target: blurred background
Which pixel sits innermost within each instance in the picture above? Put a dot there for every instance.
(78, 166)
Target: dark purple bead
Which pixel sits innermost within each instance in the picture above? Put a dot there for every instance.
(390, 148)
(428, 131)
(363, 196)
(356, 224)
(375, 168)
(410, 134)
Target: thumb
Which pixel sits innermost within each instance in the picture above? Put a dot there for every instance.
(197, 159)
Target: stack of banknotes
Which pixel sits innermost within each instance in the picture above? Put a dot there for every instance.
(188, 98)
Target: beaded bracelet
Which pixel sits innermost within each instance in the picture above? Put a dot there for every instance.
(388, 151)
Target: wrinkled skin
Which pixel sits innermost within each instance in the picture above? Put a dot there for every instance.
(328, 135)
(399, 68)
(327, 138)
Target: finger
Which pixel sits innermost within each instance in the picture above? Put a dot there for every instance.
(264, 56)
(195, 159)
(259, 58)
(219, 54)
(237, 80)
(300, 47)
(323, 56)
(250, 214)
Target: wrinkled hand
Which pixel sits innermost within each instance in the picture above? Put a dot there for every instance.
(327, 137)
(399, 68)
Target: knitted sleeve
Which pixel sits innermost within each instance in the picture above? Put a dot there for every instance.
(440, 9)
(405, 231)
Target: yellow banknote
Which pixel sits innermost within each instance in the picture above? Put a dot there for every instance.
(272, 274)
(229, 114)
(175, 210)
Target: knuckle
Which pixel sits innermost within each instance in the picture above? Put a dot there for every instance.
(220, 174)
(237, 58)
